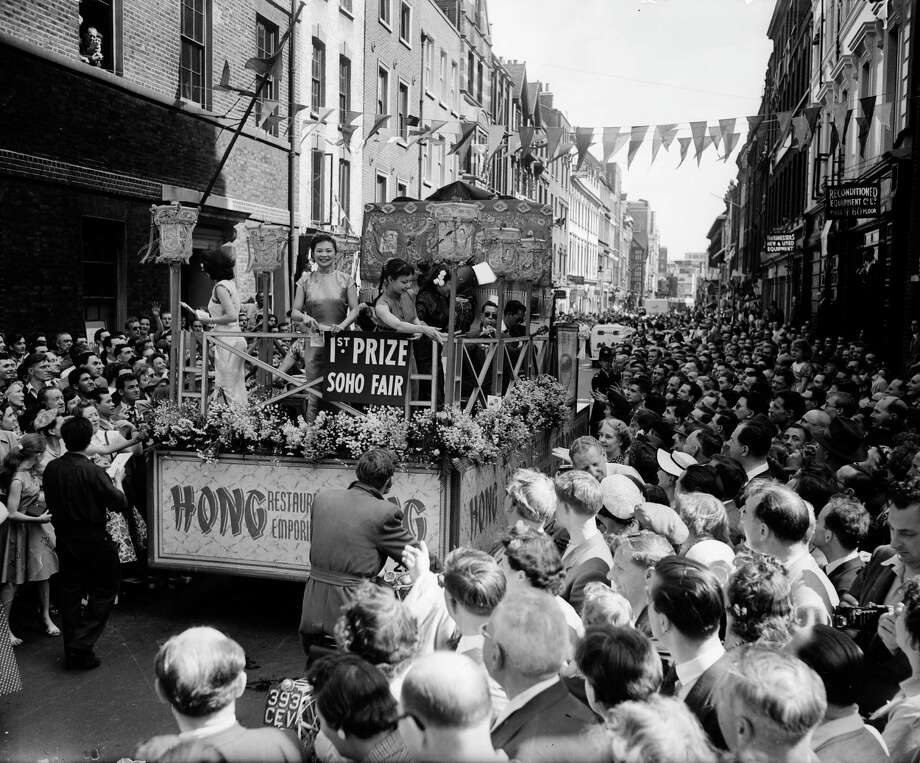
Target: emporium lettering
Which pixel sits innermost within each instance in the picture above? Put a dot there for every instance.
(228, 509)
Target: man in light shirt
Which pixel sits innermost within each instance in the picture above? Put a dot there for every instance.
(686, 603)
(776, 523)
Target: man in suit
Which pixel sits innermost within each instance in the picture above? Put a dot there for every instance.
(685, 609)
(587, 557)
(526, 644)
(841, 528)
(354, 531)
(749, 445)
(446, 710)
(769, 704)
(200, 674)
(882, 581)
(78, 494)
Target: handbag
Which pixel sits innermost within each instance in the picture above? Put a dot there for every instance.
(117, 528)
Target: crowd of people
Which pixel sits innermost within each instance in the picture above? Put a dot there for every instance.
(726, 568)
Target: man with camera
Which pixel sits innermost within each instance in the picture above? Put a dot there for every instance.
(881, 583)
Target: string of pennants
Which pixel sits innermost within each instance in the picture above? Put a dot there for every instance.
(723, 135)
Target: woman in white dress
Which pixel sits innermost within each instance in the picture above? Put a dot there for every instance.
(223, 314)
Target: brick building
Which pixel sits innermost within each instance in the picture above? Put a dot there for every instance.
(86, 149)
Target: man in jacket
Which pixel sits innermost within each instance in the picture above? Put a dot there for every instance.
(354, 531)
(526, 643)
(78, 494)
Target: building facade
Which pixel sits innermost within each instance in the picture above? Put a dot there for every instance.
(117, 106)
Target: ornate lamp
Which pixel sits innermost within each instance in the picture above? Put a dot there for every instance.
(267, 246)
(175, 225)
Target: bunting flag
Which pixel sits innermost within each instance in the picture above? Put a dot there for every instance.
(379, 121)
(698, 131)
(663, 136)
(883, 114)
(584, 138)
(707, 142)
(347, 132)
(564, 150)
(865, 122)
(351, 116)
(812, 112)
(272, 120)
(785, 122)
(614, 139)
(526, 134)
(837, 112)
(727, 129)
(684, 145)
(553, 138)
(846, 125)
(801, 133)
(754, 123)
(466, 132)
(425, 132)
(514, 143)
(729, 142)
(494, 139)
(322, 118)
(715, 134)
(637, 135)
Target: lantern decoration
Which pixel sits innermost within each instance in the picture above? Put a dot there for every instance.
(267, 246)
(531, 263)
(456, 230)
(502, 251)
(175, 225)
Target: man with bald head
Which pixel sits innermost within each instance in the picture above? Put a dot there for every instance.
(446, 710)
(526, 644)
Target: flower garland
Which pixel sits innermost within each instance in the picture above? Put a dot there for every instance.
(427, 437)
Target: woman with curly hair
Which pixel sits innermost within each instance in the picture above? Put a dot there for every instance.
(758, 603)
(377, 626)
(708, 541)
(532, 561)
(615, 437)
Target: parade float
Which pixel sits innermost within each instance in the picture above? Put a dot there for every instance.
(231, 488)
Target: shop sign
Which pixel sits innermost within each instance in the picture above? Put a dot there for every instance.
(371, 368)
(254, 515)
(848, 201)
(779, 244)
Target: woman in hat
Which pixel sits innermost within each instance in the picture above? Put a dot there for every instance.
(223, 314)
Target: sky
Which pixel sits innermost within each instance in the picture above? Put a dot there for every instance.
(634, 62)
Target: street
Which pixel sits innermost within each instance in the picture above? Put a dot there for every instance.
(103, 714)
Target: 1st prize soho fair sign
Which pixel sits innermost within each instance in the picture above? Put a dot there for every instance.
(371, 368)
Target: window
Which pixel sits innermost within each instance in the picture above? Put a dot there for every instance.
(344, 191)
(402, 189)
(383, 91)
(266, 44)
(381, 190)
(429, 161)
(479, 81)
(318, 176)
(454, 85)
(383, 12)
(103, 269)
(318, 76)
(344, 87)
(405, 23)
(402, 111)
(470, 72)
(193, 62)
(427, 62)
(443, 84)
(98, 45)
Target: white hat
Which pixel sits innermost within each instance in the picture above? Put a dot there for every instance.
(620, 496)
(674, 463)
